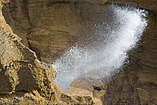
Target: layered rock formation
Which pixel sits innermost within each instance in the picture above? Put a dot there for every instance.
(49, 28)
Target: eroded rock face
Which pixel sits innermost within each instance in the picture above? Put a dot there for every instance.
(24, 79)
(49, 28)
(96, 89)
(21, 71)
(136, 84)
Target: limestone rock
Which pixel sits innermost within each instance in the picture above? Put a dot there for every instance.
(21, 71)
(49, 28)
(88, 87)
(24, 79)
(76, 100)
(136, 84)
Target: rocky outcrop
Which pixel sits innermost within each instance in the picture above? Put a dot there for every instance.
(49, 28)
(96, 89)
(136, 84)
(24, 79)
(21, 72)
(147, 4)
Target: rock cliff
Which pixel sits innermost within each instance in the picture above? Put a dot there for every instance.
(49, 28)
(24, 79)
(23, 76)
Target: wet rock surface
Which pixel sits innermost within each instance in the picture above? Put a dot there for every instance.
(136, 84)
